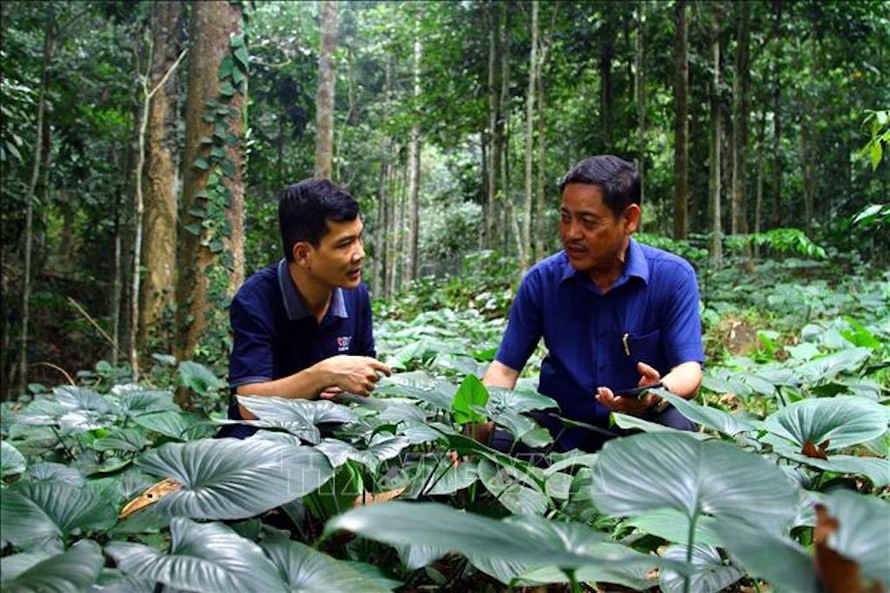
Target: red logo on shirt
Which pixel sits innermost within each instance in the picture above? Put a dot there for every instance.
(343, 343)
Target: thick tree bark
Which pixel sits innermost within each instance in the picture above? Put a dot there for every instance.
(525, 254)
(214, 26)
(157, 298)
(741, 113)
(716, 140)
(681, 120)
(324, 103)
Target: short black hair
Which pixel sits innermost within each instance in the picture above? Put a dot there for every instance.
(305, 208)
(618, 179)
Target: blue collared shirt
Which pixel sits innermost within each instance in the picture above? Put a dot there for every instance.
(652, 309)
(276, 336)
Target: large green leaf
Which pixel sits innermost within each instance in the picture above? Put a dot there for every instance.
(576, 537)
(876, 469)
(87, 410)
(470, 395)
(182, 426)
(843, 421)
(712, 575)
(712, 418)
(74, 571)
(420, 385)
(673, 525)
(203, 557)
(530, 540)
(516, 497)
(863, 533)
(519, 400)
(55, 472)
(137, 401)
(12, 462)
(37, 512)
(431, 477)
(297, 416)
(652, 471)
(234, 479)
(198, 377)
(306, 570)
(381, 448)
(768, 555)
(831, 365)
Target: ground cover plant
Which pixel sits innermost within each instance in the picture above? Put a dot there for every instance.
(110, 486)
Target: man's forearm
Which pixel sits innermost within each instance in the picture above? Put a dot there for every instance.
(305, 384)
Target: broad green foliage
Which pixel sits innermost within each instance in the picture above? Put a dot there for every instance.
(799, 421)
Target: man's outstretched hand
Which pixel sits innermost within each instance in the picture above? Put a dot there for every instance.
(630, 405)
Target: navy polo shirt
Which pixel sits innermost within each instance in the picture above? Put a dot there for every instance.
(276, 336)
(652, 309)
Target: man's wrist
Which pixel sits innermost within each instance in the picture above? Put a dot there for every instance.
(662, 404)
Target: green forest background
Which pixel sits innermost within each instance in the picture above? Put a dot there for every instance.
(143, 144)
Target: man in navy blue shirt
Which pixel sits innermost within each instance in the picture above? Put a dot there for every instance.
(614, 314)
(302, 327)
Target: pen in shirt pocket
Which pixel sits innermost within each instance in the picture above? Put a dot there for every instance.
(625, 343)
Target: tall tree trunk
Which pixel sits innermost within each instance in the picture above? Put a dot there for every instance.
(526, 244)
(157, 298)
(777, 116)
(758, 207)
(378, 282)
(502, 132)
(49, 40)
(324, 102)
(540, 191)
(716, 139)
(607, 53)
(212, 213)
(495, 127)
(741, 113)
(681, 120)
(413, 230)
(640, 96)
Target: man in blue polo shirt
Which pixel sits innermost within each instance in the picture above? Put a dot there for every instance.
(614, 314)
(302, 327)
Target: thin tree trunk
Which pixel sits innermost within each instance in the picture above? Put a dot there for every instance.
(681, 121)
(640, 97)
(380, 251)
(758, 207)
(324, 104)
(410, 269)
(716, 140)
(607, 53)
(157, 297)
(525, 255)
(503, 128)
(777, 118)
(494, 114)
(741, 113)
(30, 196)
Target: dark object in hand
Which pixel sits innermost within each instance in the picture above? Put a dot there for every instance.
(637, 392)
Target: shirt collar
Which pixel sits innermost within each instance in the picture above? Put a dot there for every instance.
(634, 266)
(293, 304)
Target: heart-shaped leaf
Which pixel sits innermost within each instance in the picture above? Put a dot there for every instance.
(713, 418)
(182, 426)
(12, 462)
(203, 557)
(38, 513)
(516, 497)
(652, 471)
(712, 575)
(531, 540)
(234, 479)
(297, 416)
(863, 533)
(768, 555)
(306, 570)
(843, 421)
(71, 571)
(471, 394)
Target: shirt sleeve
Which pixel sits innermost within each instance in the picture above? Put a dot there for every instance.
(252, 358)
(525, 325)
(682, 326)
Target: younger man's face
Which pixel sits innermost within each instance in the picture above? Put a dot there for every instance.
(338, 259)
